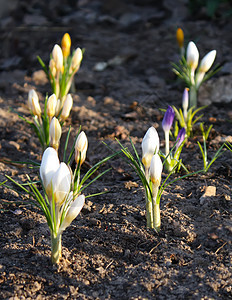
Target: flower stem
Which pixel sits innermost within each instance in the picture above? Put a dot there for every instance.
(56, 248)
(149, 215)
(192, 96)
(156, 207)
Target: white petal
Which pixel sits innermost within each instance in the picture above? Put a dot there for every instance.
(61, 183)
(192, 55)
(49, 165)
(207, 61)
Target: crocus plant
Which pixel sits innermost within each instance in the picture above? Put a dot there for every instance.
(62, 67)
(62, 198)
(48, 124)
(187, 116)
(192, 76)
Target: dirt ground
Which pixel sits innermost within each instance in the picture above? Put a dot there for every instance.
(108, 253)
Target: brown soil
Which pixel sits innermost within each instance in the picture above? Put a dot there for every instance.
(108, 253)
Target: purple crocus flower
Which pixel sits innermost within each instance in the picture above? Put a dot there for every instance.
(180, 138)
(168, 119)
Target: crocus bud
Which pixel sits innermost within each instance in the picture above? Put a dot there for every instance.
(81, 148)
(51, 106)
(68, 103)
(180, 37)
(204, 67)
(76, 60)
(180, 138)
(207, 61)
(156, 169)
(150, 145)
(33, 103)
(61, 183)
(49, 165)
(73, 211)
(55, 133)
(66, 45)
(168, 119)
(185, 99)
(192, 56)
(58, 57)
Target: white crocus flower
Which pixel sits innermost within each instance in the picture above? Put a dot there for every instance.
(68, 103)
(49, 165)
(58, 57)
(55, 132)
(51, 106)
(205, 65)
(81, 146)
(76, 60)
(150, 145)
(73, 211)
(33, 103)
(192, 56)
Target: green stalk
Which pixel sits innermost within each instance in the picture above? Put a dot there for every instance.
(149, 215)
(156, 207)
(193, 96)
(56, 248)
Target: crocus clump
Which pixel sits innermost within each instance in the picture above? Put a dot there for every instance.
(193, 72)
(62, 67)
(63, 203)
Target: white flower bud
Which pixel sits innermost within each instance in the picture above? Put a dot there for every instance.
(81, 148)
(192, 55)
(58, 57)
(76, 60)
(73, 211)
(156, 169)
(51, 105)
(68, 103)
(150, 145)
(207, 61)
(55, 133)
(33, 103)
(49, 165)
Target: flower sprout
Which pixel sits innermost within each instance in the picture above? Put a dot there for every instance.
(81, 147)
(150, 146)
(192, 56)
(33, 103)
(68, 103)
(55, 132)
(66, 45)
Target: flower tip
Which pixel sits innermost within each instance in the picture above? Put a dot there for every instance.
(180, 37)
(168, 119)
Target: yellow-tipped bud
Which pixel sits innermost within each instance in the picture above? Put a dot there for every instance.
(33, 103)
(51, 106)
(68, 103)
(180, 37)
(55, 133)
(156, 169)
(58, 57)
(81, 148)
(66, 45)
(76, 60)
